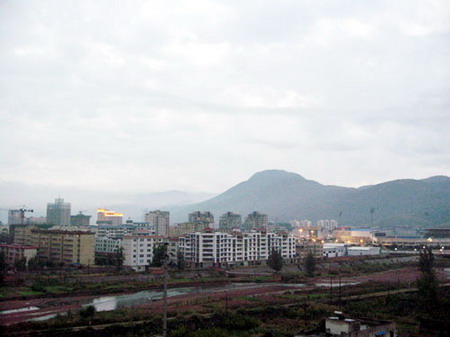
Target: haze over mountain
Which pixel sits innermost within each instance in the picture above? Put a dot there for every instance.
(286, 196)
(133, 205)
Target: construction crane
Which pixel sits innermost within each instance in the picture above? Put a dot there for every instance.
(22, 214)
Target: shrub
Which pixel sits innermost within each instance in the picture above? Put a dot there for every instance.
(87, 312)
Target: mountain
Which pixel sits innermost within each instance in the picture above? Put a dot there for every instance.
(286, 196)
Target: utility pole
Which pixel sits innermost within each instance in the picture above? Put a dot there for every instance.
(166, 262)
(340, 292)
(226, 302)
(331, 288)
(304, 313)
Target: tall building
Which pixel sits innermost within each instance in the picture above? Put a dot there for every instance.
(14, 217)
(230, 220)
(256, 220)
(160, 221)
(80, 220)
(217, 248)
(58, 213)
(327, 224)
(201, 217)
(107, 217)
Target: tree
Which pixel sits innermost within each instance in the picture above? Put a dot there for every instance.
(181, 263)
(275, 260)
(310, 264)
(21, 265)
(159, 255)
(119, 258)
(427, 283)
(87, 312)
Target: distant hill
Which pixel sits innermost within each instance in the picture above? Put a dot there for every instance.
(286, 196)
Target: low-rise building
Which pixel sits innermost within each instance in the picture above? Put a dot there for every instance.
(346, 327)
(64, 246)
(138, 250)
(303, 247)
(14, 253)
(334, 249)
(363, 251)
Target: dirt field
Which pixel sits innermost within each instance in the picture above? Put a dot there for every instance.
(232, 298)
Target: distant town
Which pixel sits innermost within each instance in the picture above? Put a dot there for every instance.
(54, 266)
(71, 239)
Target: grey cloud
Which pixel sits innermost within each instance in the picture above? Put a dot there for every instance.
(161, 95)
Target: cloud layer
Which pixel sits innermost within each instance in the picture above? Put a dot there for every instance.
(158, 95)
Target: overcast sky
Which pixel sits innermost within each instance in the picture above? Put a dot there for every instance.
(142, 96)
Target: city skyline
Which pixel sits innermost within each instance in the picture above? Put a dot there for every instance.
(148, 96)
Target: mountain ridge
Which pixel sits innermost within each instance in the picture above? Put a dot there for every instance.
(287, 196)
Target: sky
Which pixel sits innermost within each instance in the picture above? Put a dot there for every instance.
(147, 96)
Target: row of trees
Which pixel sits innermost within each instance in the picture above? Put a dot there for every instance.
(275, 261)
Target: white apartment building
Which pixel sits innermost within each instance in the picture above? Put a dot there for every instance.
(224, 249)
(327, 224)
(104, 244)
(113, 230)
(334, 249)
(138, 250)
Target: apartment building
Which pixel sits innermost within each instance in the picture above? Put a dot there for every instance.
(104, 244)
(327, 224)
(111, 231)
(14, 253)
(198, 217)
(218, 248)
(256, 220)
(304, 246)
(21, 234)
(160, 221)
(186, 228)
(230, 220)
(138, 250)
(63, 246)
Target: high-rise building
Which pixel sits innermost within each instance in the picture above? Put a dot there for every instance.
(328, 224)
(198, 217)
(107, 217)
(58, 213)
(80, 220)
(230, 220)
(14, 217)
(160, 221)
(256, 220)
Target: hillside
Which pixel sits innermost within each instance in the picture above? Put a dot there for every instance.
(285, 196)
